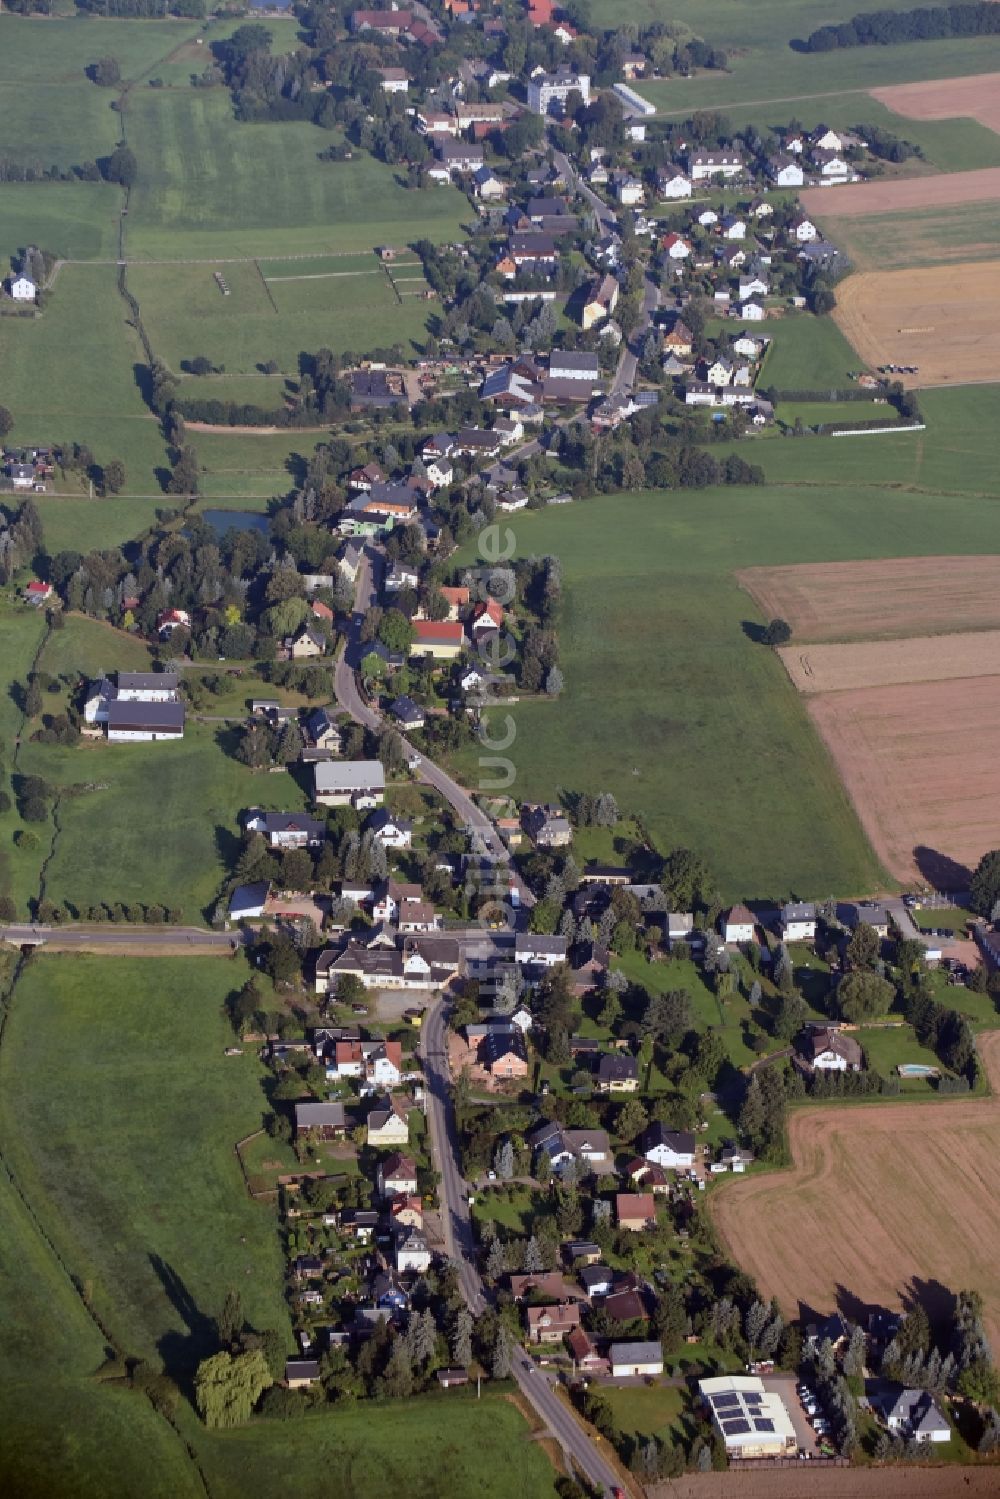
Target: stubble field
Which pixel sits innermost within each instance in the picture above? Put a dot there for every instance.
(976, 97)
(922, 1220)
(945, 323)
(879, 598)
(919, 763)
(888, 663)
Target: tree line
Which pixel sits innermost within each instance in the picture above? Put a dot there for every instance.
(880, 28)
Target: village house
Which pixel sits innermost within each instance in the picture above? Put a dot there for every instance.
(916, 1415)
(411, 1250)
(397, 1176)
(284, 830)
(671, 182)
(300, 1373)
(320, 1121)
(676, 247)
(391, 831)
(672, 1149)
(797, 921)
(601, 301)
(617, 1073)
(378, 1062)
(635, 1211)
(550, 1324)
(785, 171)
(827, 1049)
(547, 826)
(503, 1054)
(704, 165)
(738, 925)
(386, 1126)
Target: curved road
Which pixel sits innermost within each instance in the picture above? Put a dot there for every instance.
(349, 697)
(460, 1245)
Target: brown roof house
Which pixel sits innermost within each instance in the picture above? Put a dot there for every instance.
(635, 1211)
(828, 1049)
(550, 1324)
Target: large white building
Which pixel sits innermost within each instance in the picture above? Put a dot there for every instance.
(356, 783)
(143, 706)
(751, 1420)
(546, 90)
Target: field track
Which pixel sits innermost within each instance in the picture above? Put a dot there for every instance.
(924, 1218)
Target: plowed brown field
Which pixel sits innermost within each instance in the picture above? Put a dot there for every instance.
(816, 1481)
(880, 1201)
(976, 98)
(887, 663)
(869, 600)
(946, 323)
(903, 194)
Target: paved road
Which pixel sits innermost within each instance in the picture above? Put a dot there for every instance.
(349, 697)
(180, 940)
(460, 1246)
(606, 216)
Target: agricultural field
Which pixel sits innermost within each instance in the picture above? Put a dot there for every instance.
(919, 237)
(72, 220)
(879, 598)
(920, 1220)
(808, 353)
(198, 192)
(919, 767)
(102, 851)
(127, 1157)
(858, 199)
(267, 316)
(975, 97)
(948, 327)
(888, 663)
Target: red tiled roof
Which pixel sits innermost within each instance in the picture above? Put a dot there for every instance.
(438, 631)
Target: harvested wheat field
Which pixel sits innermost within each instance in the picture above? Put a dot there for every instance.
(886, 663)
(919, 762)
(947, 324)
(975, 98)
(902, 193)
(880, 1202)
(882, 599)
(818, 1481)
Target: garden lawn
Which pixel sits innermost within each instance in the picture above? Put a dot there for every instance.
(88, 647)
(71, 375)
(450, 1444)
(515, 1214)
(126, 1153)
(156, 823)
(199, 195)
(244, 470)
(648, 1409)
(885, 1049)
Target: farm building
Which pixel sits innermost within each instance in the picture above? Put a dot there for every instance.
(752, 1421)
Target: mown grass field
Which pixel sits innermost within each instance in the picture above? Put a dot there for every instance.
(198, 192)
(72, 220)
(77, 523)
(807, 353)
(128, 1155)
(186, 314)
(957, 454)
(72, 375)
(672, 706)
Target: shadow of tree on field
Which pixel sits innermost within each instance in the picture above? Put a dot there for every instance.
(182, 1352)
(940, 870)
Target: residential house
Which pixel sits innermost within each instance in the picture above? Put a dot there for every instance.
(550, 1324)
(676, 247)
(672, 1149)
(547, 826)
(394, 80)
(916, 1415)
(735, 1158)
(720, 372)
(739, 925)
(169, 620)
(22, 289)
(355, 783)
(247, 902)
(625, 1306)
(486, 617)
(488, 186)
(573, 366)
(300, 1373)
(400, 576)
(785, 171)
(733, 226)
(597, 1281)
(406, 712)
(321, 729)
(753, 312)
(704, 165)
(411, 1250)
(408, 1211)
(285, 830)
(437, 639)
(617, 1073)
(629, 191)
(306, 644)
(376, 390)
(459, 156)
(378, 1062)
(635, 1360)
(548, 1283)
(350, 560)
(386, 1126)
(825, 139)
(872, 914)
(635, 1211)
(601, 301)
(649, 1176)
(671, 182)
(397, 1176)
(827, 1049)
(320, 1121)
(534, 950)
(797, 921)
(831, 165)
(503, 1054)
(582, 1252)
(391, 831)
(679, 339)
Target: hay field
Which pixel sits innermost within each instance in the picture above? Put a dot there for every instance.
(919, 762)
(976, 97)
(879, 598)
(888, 663)
(922, 1218)
(946, 323)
